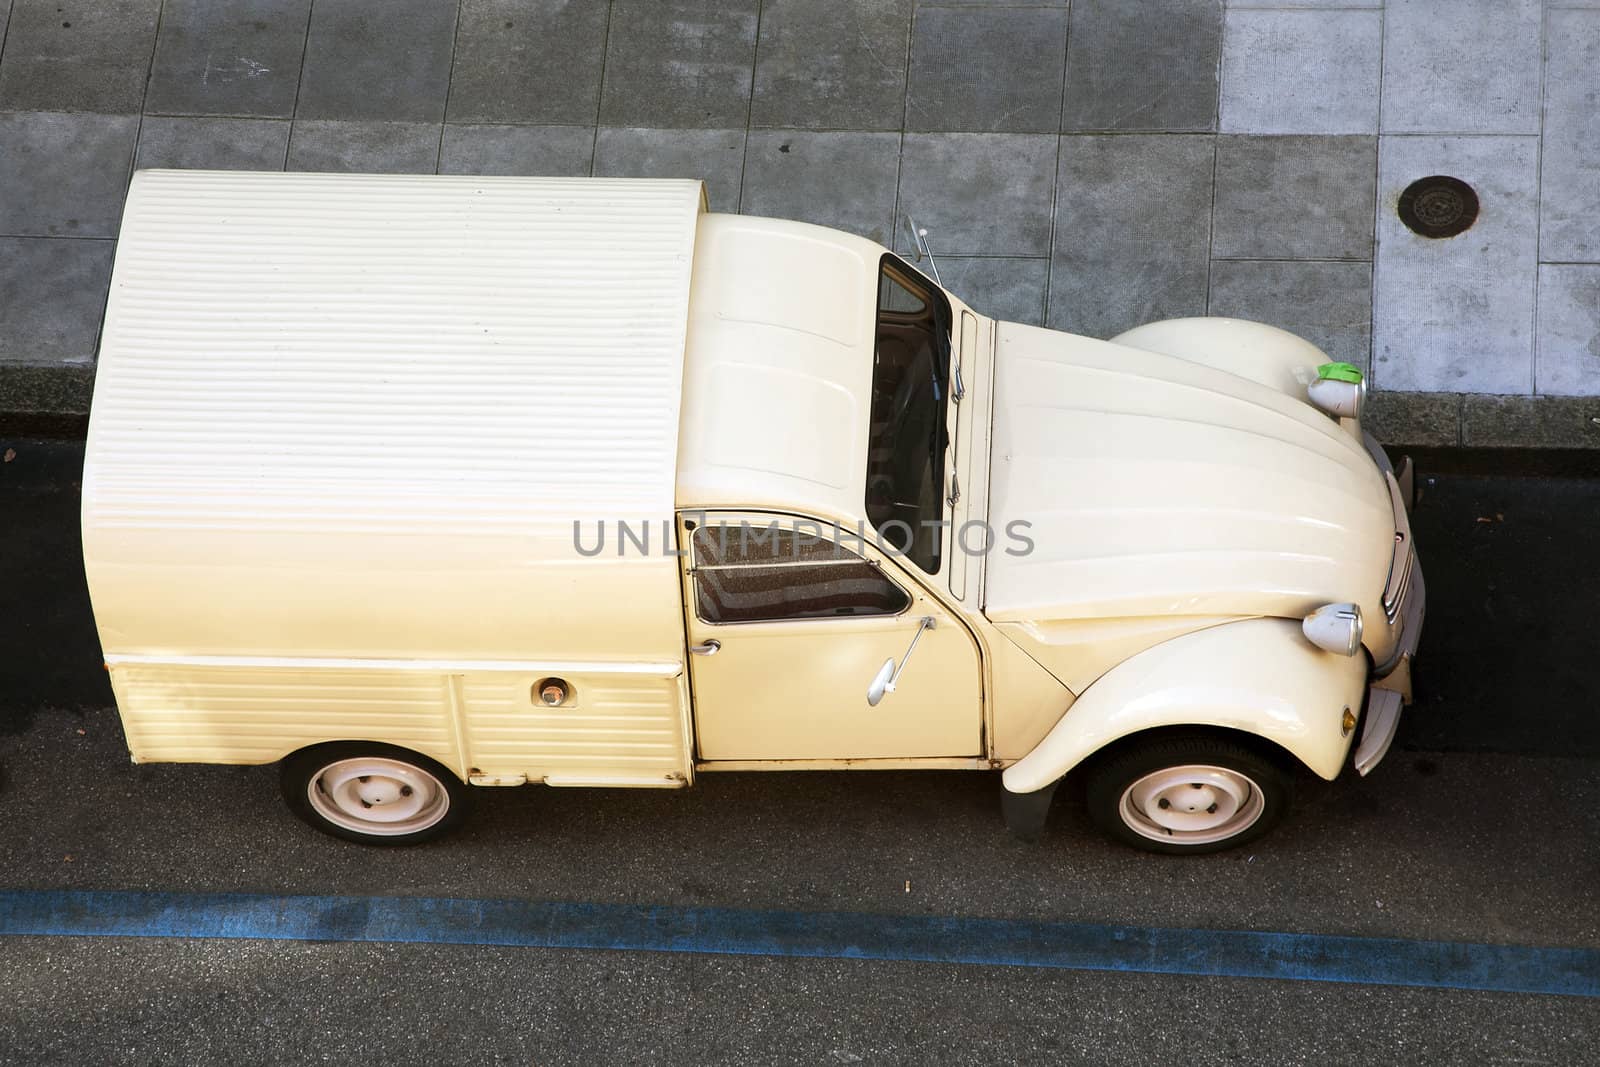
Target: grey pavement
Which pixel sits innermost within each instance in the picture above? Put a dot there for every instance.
(121, 1002)
(1086, 166)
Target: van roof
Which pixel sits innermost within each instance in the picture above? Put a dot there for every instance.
(352, 349)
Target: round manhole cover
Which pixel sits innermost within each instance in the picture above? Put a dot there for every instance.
(1438, 206)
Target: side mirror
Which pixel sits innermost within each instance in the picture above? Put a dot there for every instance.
(883, 683)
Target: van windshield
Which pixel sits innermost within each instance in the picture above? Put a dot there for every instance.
(907, 438)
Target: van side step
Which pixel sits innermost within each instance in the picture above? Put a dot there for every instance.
(625, 781)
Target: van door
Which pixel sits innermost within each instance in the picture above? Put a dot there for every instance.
(789, 628)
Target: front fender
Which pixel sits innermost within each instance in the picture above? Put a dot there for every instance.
(1259, 676)
(1276, 358)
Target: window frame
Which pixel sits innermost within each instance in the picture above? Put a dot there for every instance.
(786, 523)
(944, 316)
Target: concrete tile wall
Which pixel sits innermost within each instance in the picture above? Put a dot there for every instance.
(1569, 231)
(1142, 65)
(1300, 71)
(77, 56)
(1089, 165)
(228, 57)
(1457, 314)
(1133, 230)
(1461, 66)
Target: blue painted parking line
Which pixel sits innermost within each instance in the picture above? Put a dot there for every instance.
(849, 935)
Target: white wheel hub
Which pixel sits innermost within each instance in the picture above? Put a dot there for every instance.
(378, 796)
(1195, 804)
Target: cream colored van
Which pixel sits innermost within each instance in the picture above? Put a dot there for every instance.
(412, 484)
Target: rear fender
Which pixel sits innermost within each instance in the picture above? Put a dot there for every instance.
(1258, 676)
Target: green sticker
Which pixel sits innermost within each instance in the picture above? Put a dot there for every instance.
(1340, 372)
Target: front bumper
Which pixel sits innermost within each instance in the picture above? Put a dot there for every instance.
(1391, 683)
(1378, 726)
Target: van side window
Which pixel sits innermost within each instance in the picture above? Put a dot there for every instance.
(746, 573)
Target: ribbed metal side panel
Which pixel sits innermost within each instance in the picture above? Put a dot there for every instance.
(316, 353)
(258, 715)
(615, 725)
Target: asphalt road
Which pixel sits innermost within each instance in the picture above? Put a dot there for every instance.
(1481, 826)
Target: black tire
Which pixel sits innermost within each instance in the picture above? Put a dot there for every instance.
(445, 800)
(1225, 768)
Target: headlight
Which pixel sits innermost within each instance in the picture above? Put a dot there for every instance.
(1339, 390)
(1334, 628)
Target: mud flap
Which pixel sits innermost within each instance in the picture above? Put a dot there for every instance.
(1025, 813)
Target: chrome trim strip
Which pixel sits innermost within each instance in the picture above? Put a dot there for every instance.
(432, 666)
(1375, 450)
(1413, 610)
(1403, 559)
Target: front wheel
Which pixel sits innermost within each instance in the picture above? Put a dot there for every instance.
(373, 793)
(1187, 795)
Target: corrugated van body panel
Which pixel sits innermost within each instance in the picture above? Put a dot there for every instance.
(186, 713)
(359, 415)
(622, 727)
(612, 725)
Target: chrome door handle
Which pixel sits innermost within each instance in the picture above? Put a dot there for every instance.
(708, 649)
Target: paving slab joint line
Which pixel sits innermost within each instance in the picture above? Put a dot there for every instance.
(840, 935)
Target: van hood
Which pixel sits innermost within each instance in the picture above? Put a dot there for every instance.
(1153, 486)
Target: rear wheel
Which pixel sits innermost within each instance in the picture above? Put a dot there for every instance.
(1187, 795)
(374, 793)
